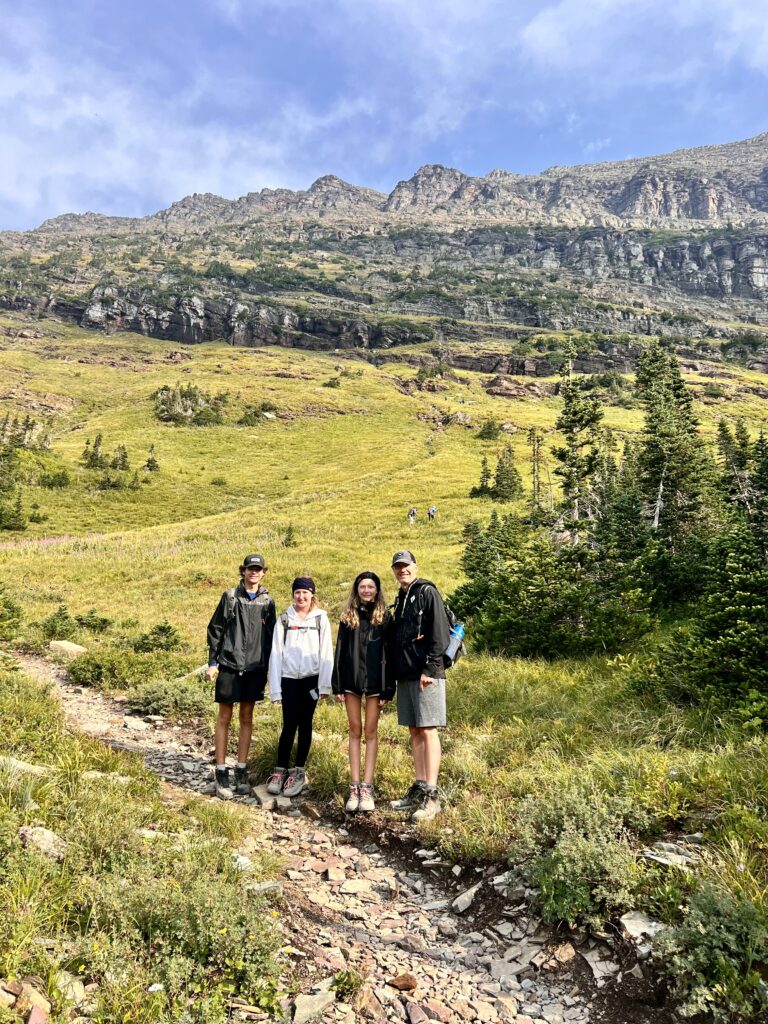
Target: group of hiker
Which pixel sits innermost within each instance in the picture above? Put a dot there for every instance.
(413, 512)
(380, 653)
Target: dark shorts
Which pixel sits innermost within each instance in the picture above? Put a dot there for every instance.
(233, 687)
(424, 709)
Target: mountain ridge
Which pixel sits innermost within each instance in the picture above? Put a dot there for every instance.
(703, 186)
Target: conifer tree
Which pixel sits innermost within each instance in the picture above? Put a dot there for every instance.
(152, 465)
(507, 484)
(577, 457)
(483, 489)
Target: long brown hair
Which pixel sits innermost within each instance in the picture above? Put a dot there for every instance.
(351, 614)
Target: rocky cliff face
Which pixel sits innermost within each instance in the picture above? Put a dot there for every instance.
(713, 185)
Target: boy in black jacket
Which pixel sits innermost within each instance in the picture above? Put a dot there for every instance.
(239, 645)
(418, 637)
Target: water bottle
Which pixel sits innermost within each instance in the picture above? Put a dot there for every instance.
(457, 635)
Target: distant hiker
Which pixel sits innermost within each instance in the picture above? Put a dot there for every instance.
(300, 670)
(359, 677)
(431, 513)
(418, 636)
(239, 646)
(411, 515)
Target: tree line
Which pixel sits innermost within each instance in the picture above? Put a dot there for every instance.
(661, 528)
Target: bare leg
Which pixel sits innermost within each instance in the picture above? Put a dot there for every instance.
(221, 733)
(353, 705)
(246, 730)
(418, 753)
(425, 744)
(371, 736)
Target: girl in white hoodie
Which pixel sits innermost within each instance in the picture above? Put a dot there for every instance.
(300, 671)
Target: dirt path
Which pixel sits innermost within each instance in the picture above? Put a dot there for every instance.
(355, 900)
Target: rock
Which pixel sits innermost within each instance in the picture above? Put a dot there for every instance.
(465, 900)
(306, 1008)
(135, 724)
(16, 767)
(638, 926)
(436, 1011)
(7, 999)
(71, 988)
(44, 841)
(37, 1015)
(241, 862)
(507, 1006)
(66, 649)
(403, 982)
(354, 886)
(29, 999)
(670, 855)
(415, 1014)
(603, 968)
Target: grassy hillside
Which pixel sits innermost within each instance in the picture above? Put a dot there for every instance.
(559, 766)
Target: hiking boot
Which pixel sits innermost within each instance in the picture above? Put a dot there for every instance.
(430, 807)
(242, 785)
(276, 780)
(353, 803)
(411, 799)
(296, 781)
(366, 797)
(223, 784)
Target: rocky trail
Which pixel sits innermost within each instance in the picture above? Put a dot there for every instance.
(433, 940)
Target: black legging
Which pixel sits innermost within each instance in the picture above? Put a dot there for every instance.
(298, 711)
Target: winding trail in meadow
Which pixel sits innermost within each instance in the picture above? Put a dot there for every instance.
(359, 899)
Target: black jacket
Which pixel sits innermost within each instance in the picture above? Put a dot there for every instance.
(360, 663)
(240, 630)
(419, 633)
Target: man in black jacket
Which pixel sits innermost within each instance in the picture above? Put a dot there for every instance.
(239, 645)
(419, 635)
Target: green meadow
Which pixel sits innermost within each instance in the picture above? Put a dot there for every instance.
(559, 767)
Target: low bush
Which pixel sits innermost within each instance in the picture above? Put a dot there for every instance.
(161, 637)
(182, 699)
(113, 668)
(10, 616)
(715, 958)
(59, 625)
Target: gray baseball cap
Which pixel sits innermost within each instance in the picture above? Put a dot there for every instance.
(256, 560)
(406, 557)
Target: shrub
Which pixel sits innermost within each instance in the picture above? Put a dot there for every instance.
(715, 956)
(161, 637)
(93, 622)
(55, 479)
(10, 616)
(59, 625)
(489, 431)
(575, 849)
(112, 668)
(171, 698)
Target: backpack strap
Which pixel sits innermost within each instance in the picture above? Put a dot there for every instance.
(286, 626)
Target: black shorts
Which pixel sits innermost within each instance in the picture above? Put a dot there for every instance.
(233, 686)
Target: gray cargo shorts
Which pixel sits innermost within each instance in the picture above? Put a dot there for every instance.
(424, 709)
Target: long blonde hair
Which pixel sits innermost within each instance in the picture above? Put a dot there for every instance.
(351, 614)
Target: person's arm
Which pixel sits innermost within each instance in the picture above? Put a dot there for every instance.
(326, 656)
(437, 633)
(215, 635)
(276, 664)
(270, 619)
(335, 678)
(389, 683)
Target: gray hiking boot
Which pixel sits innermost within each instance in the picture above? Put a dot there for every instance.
(223, 784)
(296, 781)
(366, 797)
(353, 801)
(430, 807)
(411, 799)
(242, 785)
(276, 780)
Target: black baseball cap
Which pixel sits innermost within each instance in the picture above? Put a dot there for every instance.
(251, 560)
(406, 557)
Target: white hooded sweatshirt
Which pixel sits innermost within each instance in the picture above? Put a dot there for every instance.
(306, 651)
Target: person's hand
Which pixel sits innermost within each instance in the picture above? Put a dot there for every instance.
(211, 672)
(277, 701)
(425, 681)
(383, 703)
(340, 698)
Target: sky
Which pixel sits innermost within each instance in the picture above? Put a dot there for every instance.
(123, 108)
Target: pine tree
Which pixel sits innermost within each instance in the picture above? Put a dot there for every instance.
(483, 489)
(507, 484)
(577, 457)
(152, 465)
(12, 515)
